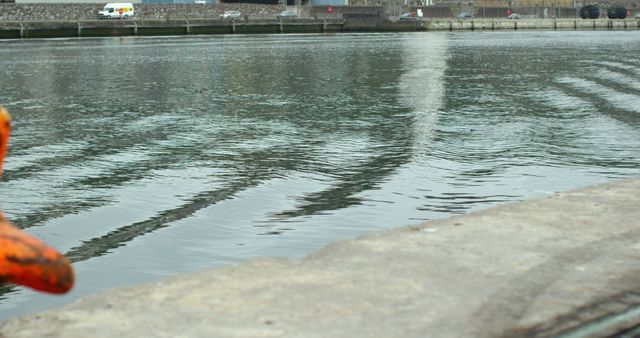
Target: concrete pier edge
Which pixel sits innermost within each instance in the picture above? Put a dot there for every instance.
(537, 268)
(186, 26)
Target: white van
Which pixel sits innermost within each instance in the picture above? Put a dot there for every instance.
(117, 10)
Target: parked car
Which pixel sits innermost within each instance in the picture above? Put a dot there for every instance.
(408, 16)
(514, 16)
(465, 15)
(287, 15)
(231, 15)
(637, 16)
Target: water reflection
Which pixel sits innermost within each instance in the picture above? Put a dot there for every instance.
(421, 87)
(147, 157)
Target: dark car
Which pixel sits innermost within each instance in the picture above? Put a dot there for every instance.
(408, 16)
(465, 15)
(287, 15)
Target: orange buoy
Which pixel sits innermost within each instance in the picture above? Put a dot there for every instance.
(24, 259)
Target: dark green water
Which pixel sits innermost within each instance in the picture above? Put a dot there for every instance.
(142, 158)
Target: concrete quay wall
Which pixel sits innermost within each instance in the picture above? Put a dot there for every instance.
(366, 16)
(563, 265)
(68, 20)
(146, 27)
(497, 24)
(259, 24)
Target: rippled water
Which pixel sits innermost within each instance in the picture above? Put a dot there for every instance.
(147, 157)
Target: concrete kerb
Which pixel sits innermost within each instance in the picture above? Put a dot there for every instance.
(512, 270)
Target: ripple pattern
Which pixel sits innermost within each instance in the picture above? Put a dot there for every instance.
(147, 157)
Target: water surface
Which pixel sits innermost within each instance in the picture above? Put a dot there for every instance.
(142, 158)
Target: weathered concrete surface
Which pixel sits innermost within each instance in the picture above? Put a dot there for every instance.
(520, 269)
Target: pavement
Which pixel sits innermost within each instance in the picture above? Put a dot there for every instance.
(538, 268)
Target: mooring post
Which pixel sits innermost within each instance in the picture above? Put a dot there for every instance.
(233, 26)
(188, 27)
(78, 28)
(281, 27)
(21, 30)
(135, 28)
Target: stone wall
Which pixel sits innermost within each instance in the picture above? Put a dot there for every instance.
(42, 11)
